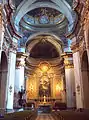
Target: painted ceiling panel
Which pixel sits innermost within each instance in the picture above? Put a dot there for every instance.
(55, 8)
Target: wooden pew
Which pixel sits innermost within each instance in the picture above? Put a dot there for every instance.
(70, 115)
(23, 115)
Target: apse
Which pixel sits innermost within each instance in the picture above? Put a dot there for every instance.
(44, 50)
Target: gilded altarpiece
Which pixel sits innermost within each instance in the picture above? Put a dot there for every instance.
(45, 83)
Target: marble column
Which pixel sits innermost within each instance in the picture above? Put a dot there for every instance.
(11, 78)
(19, 76)
(78, 80)
(70, 80)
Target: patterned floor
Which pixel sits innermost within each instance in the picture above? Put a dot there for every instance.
(44, 117)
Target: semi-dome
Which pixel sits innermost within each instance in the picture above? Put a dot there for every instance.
(43, 16)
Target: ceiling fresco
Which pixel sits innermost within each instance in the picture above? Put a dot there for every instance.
(43, 16)
(46, 16)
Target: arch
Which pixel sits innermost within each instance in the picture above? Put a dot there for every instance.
(43, 33)
(85, 78)
(27, 6)
(44, 49)
(36, 38)
(3, 79)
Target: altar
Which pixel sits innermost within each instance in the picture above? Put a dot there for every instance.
(45, 88)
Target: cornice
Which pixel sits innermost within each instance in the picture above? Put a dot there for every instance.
(9, 13)
(69, 66)
(75, 47)
(56, 71)
(68, 60)
(21, 54)
(67, 54)
(35, 62)
(32, 65)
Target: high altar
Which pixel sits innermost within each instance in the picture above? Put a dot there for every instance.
(44, 86)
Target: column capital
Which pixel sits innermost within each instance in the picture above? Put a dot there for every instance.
(68, 59)
(21, 55)
(12, 50)
(20, 61)
(75, 47)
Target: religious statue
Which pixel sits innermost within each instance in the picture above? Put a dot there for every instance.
(44, 87)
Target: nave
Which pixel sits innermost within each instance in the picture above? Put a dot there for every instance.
(44, 59)
(79, 114)
(44, 117)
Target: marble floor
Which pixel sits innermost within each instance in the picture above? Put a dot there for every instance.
(44, 117)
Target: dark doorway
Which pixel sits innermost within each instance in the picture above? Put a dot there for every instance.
(3, 79)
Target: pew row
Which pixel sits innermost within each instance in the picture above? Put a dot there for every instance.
(22, 115)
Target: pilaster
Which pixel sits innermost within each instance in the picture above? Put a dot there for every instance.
(77, 74)
(11, 78)
(19, 73)
(11, 73)
(70, 80)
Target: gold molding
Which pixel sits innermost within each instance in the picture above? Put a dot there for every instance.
(67, 55)
(67, 61)
(69, 66)
(21, 54)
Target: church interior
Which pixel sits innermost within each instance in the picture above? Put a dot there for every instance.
(44, 59)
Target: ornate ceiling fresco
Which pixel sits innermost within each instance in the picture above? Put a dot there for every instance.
(42, 16)
(56, 17)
